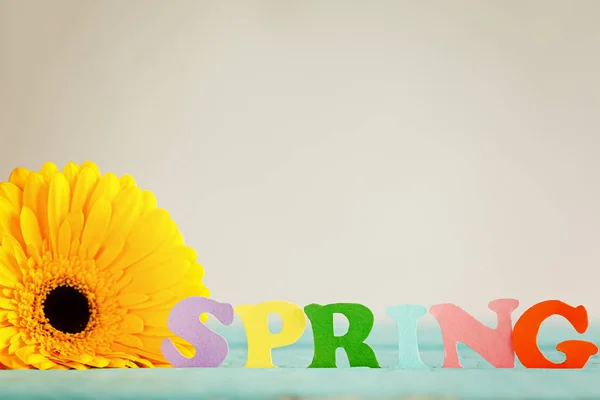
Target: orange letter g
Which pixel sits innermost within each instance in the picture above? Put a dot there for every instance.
(525, 333)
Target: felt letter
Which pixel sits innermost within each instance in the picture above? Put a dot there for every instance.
(494, 345)
(184, 321)
(578, 352)
(360, 320)
(260, 339)
(407, 317)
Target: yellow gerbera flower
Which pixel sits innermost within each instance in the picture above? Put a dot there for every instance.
(89, 270)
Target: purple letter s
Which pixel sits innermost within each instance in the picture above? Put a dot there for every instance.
(184, 321)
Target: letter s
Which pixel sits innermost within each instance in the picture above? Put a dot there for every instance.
(184, 321)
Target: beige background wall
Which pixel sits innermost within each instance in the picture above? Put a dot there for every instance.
(378, 151)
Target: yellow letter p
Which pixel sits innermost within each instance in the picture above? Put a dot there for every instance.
(260, 339)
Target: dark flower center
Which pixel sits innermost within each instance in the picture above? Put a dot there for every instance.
(67, 309)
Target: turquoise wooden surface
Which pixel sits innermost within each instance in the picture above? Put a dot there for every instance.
(234, 383)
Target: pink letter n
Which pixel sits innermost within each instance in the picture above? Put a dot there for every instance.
(494, 345)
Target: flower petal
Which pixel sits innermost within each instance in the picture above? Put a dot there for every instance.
(76, 220)
(71, 171)
(49, 169)
(132, 324)
(74, 251)
(92, 165)
(157, 331)
(15, 247)
(96, 225)
(120, 363)
(128, 299)
(127, 207)
(10, 272)
(106, 189)
(64, 239)
(108, 254)
(159, 300)
(130, 340)
(18, 176)
(127, 181)
(24, 352)
(9, 219)
(6, 304)
(150, 356)
(30, 228)
(58, 206)
(86, 181)
(148, 201)
(12, 193)
(6, 334)
(157, 318)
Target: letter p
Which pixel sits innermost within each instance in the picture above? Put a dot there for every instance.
(260, 339)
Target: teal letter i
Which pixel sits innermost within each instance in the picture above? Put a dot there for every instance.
(407, 317)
